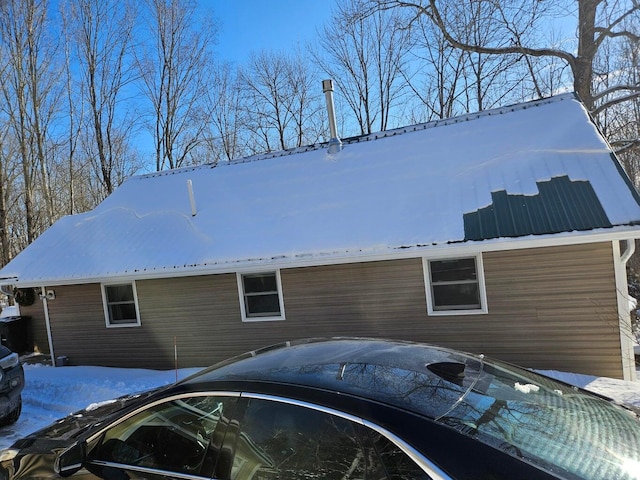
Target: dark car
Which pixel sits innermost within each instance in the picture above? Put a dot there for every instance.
(343, 409)
(11, 385)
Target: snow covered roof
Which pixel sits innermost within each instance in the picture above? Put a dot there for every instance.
(460, 180)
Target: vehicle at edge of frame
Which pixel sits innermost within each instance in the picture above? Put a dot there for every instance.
(11, 385)
(342, 408)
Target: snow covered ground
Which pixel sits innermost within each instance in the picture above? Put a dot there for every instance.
(51, 393)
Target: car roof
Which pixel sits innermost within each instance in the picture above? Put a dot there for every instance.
(421, 378)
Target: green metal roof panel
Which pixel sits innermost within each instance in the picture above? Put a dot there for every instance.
(561, 205)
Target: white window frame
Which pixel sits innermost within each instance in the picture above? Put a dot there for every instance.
(426, 268)
(105, 305)
(241, 294)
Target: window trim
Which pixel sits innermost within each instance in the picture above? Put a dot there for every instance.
(241, 296)
(482, 291)
(92, 440)
(424, 462)
(105, 305)
(177, 396)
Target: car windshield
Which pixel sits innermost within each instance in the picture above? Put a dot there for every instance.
(561, 428)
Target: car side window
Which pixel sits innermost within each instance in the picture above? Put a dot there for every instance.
(396, 463)
(279, 440)
(182, 435)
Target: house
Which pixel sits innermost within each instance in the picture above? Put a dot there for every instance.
(504, 232)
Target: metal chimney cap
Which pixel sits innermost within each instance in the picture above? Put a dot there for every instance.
(327, 86)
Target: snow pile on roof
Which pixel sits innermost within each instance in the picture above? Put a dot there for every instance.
(407, 188)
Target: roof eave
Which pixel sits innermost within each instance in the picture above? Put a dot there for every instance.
(436, 250)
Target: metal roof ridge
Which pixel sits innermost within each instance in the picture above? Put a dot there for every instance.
(278, 153)
(461, 118)
(175, 171)
(410, 128)
(370, 136)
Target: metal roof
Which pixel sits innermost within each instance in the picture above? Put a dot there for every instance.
(561, 205)
(535, 169)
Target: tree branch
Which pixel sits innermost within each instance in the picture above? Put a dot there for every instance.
(615, 101)
(625, 145)
(617, 88)
(434, 14)
(608, 31)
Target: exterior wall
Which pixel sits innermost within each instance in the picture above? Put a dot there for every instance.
(556, 310)
(549, 308)
(189, 310)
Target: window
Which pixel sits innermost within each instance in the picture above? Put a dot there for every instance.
(397, 465)
(226, 436)
(261, 296)
(455, 286)
(182, 436)
(120, 305)
(281, 440)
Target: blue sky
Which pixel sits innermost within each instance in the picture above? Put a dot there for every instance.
(252, 25)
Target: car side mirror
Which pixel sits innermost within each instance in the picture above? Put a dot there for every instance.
(71, 460)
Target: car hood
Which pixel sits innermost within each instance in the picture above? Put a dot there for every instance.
(80, 424)
(34, 455)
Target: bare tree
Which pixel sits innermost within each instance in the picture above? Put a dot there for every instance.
(174, 77)
(621, 122)
(9, 175)
(307, 102)
(597, 22)
(490, 79)
(74, 116)
(366, 55)
(437, 87)
(280, 102)
(30, 100)
(102, 33)
(449, 81)
(224, 115)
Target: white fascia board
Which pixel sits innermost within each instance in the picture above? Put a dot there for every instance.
(339, 258)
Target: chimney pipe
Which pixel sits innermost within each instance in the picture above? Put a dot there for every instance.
(335, 145)
(192, 198)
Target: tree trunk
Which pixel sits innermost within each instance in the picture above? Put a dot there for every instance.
(587, 48)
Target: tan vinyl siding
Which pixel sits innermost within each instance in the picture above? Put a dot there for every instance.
(78, 326)
(555, 308)
(200, 312)
(549, 308)
(187, 310)
(379, 299)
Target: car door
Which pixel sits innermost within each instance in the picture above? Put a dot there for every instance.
(276, 438)
(180, 438)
